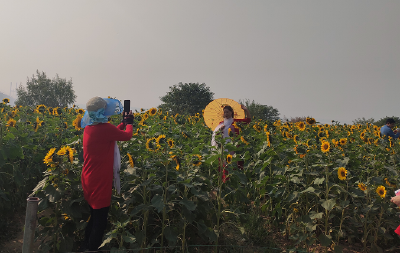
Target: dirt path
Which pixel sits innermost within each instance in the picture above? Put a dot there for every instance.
(12, 241)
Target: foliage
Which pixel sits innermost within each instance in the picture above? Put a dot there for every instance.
(56, 92)
(262, 112)
(382, 121)
(23, 146)
(364, 121)
(317, 184)
(294, 119)
(186, 99)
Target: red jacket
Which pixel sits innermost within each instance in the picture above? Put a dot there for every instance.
(98, 153)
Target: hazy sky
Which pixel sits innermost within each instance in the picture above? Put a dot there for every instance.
(329, 60)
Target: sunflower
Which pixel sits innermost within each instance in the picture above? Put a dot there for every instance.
(80, 111)
(266, 128)
(11, 122)
(40, 108)
(310, 121)
(178, 163)
(300, 149)
(6, 101)
(296, 139)
(71, 152)
(362, 135)
(49, 156)
(389, 184)
(362, 186)
(77, 122)
(185, 135)
(65, 172)
(151, 144)
(257, 127)
(13, 113)
(243, 140)
(197, 160)
(65, 125)
(62, 151)
(152, 111)
(381, 191)
(55, 111)
(325, 146)
(145, 116)
(342, 173)
(301, 126)
(277, 123)
(131, 160)
(343, 141)
(160, 138)
(268, 139)
(229, 158)
(36, 126)
(171, 143)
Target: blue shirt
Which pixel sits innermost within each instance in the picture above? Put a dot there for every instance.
(385, 130)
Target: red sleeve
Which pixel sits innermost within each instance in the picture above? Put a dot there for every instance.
(115, 134)
(121, 126)
(246, 120)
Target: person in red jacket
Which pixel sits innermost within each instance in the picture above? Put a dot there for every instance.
(99, 138)
(224, 127)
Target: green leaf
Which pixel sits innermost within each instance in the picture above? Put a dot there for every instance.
(319, 181)
(325, 240)
(107, 240)
(190, 205)
(158, 202)
(9, 136)
(329, 204)
(314, 215)
(309, 190)
(338, 249)
(295, 180)
(129, 238)
(171, 235)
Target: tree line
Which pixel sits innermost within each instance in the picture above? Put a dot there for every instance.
(182, 98)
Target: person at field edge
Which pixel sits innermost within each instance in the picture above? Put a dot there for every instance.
(224, 127)
(387, 129)
(99, 144)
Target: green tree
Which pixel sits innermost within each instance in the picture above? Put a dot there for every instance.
(259, 111)
(382, 121)
(364, 121)
(56, 92)
(188, 98)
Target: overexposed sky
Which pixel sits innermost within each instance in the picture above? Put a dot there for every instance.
(329, 60)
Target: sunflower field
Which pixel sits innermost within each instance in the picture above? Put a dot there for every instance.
(313, 184)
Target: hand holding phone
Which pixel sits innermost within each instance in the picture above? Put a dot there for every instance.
(127, 114)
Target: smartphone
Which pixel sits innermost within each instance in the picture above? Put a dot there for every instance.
(127, 107)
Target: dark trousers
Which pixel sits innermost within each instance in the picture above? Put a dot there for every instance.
(95, 228)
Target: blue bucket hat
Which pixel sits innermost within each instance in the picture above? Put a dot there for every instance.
(99, 109)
